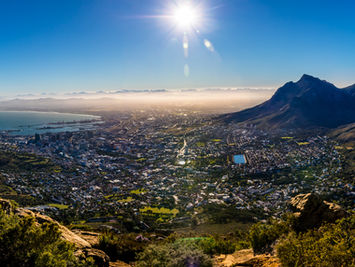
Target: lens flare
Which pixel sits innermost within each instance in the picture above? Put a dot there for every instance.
(189, 19)
(208, 45)
(186, 16)
(185, 45)
(186, 70)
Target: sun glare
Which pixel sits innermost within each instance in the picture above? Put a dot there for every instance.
(186, 16)
(189, 19)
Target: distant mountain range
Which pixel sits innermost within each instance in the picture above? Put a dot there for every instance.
(308, 103)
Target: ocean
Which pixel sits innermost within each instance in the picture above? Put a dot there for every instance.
(31, 122)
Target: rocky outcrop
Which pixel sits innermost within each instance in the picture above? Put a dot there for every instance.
(84, 246)
(310, 211)
(91, 237)
(246, 257)
(101, 259)
(67, 235)
(119, 264)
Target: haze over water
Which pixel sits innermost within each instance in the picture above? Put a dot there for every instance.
(31, 122)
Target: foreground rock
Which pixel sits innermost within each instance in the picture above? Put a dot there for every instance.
(311, 211)
(119, 264)
(91, 237)
(67, 235)
(245, 257)
(100, 257)
(83, 242)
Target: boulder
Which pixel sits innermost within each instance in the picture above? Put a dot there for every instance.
(246, 257)
(91, 237)
(101, 259)
(310, 211)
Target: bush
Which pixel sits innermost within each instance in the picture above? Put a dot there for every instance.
(221, 214)
(83, 227)
(331, 245)
(155, 256)
(263, 236)
(212, 246)
(176, 254)
(120, 247)
(24, 243)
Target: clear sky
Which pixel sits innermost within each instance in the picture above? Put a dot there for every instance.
(71, 45)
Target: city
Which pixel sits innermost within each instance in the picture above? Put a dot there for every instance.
(165, 170)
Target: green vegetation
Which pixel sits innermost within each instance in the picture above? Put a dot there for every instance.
(123, 247)
(59, 206)
(331, 245)
(162, 210)
(221, 214)
(23, 200)
(83, 227)
(125, 200)
(200, 144)
(174, 250)
(215, 245)
(263, 236)
(138, 191)
(119, 198)
(24, 161)
(302, 143)
(6, 190)
(173, 255)
(31, 165)
(23, 243)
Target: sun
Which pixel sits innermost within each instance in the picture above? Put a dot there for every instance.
(186, 16)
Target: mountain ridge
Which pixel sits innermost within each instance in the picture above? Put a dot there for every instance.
(307, 103)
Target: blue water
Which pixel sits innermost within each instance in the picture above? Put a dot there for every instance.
(239, 159)
(31, 122)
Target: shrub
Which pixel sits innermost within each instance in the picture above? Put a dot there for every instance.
(214, 246)
(23, 243)
(155, 256)
(331, 245)
(120, 247)
(176, 254)
(263, 236)
(83, 227)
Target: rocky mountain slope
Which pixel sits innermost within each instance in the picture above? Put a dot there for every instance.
(308, 103)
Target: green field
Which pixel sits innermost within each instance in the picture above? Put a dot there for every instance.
(59, 206)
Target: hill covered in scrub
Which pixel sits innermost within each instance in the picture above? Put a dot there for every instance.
(316, 233)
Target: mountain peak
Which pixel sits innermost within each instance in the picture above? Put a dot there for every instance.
(309, 82)
(305, 76)
(308, 78)
(309, 102)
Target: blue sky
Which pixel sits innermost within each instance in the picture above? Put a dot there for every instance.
(70, 45)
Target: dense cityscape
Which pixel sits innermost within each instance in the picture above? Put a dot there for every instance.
(172, 168)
